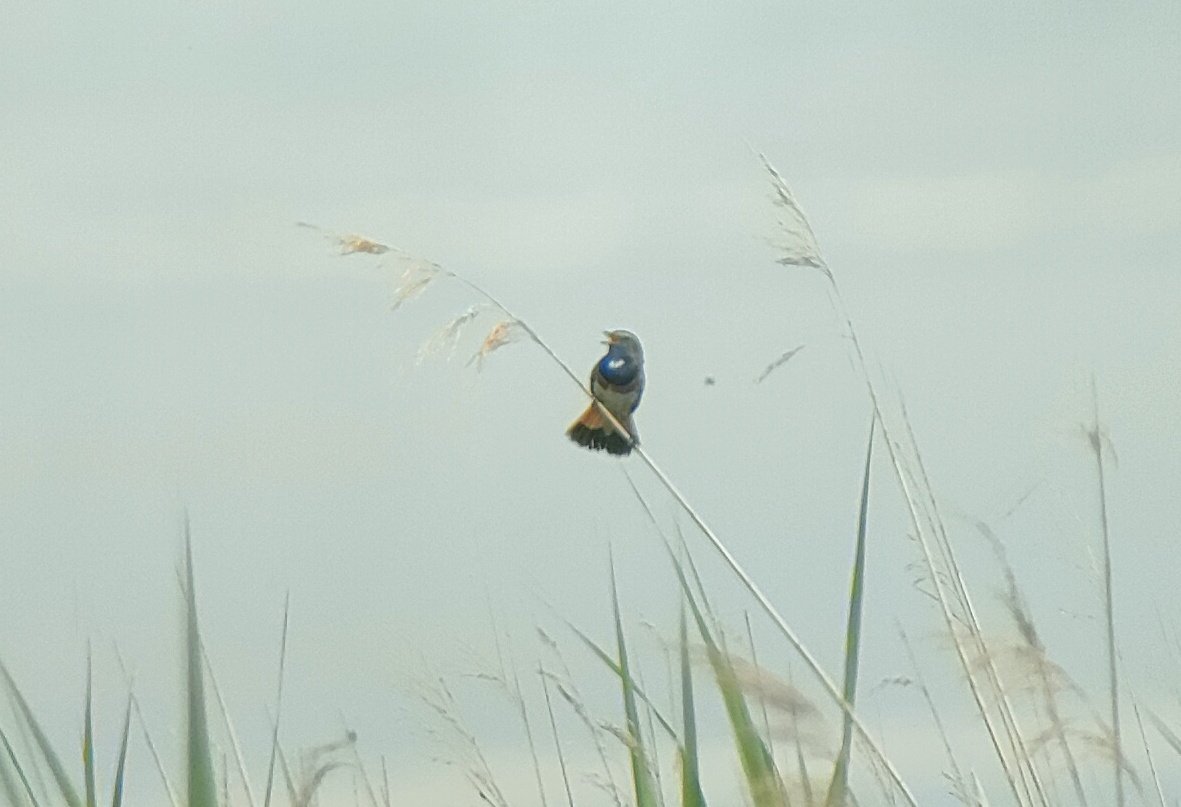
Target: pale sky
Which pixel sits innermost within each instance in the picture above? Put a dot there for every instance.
(996, 188)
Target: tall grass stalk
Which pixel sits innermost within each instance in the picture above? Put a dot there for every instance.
(1096, 441)
(46, 754)
(958, 781)
(385, 783)
(1027, 630)
(1019, 771)
(201, 789)
(147, 735)
(553, 724)
(88, 733)
(121, 764)
(645, 790)
(691, 793)
(763, 781)
(9, 786)
(516, 695)
(278, 701)
(840, 776)
(1160, 794)
(358, 764)
(569, 693)
(747, 581)
(239, 762)
(754, 659)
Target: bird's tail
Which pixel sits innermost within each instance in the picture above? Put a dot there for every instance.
(594, 431)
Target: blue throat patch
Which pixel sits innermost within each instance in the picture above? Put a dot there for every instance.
(617, 367)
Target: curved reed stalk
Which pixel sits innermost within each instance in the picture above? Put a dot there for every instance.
(747, 581)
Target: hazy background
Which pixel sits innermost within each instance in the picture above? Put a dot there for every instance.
(996, 188)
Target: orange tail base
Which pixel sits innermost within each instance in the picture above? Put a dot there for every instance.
(594, 431)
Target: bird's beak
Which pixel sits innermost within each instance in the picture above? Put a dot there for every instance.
(610, 340)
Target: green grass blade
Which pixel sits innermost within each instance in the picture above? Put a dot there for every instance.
(645, 786)
(9, 787)
(691, 795)
(121, 765)
(235, 746)
(88, 736)
(9, 759)
(64, 786)
(292, 795)
(838, 787)
(1096, 440)
(605, 657)
(1160, 795)
(553, 724)
(1170, 737)
(757, 765)
(278, 701)
(202, 790)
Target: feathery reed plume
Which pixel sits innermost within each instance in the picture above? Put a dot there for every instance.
(314, 766)
(798, 246)
(776, 693)
(349, 244)
(446, 339)
(417, 275)
(502, 333)
(801, 249)
(440, 700)
(779, 362)
(1046, 673)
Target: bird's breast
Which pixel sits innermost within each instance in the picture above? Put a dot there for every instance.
(619, 370)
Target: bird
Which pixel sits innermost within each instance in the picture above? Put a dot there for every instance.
(617, 383)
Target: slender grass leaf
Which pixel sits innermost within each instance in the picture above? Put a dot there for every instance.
(278, 701)
(613, 665)
(645, 786)
(9, 759)
(1170, 737)
(292, 795)
(239, 762)
(88, 736)
(9, 787)
(838, 787)
(202, 790)
(64, 786)
(385, 783)
(121, 765)
(1160, 795)
(553, 724)
(691, 794)
(1096, 440)
(757, 765)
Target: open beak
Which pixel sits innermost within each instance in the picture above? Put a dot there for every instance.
(610, 340)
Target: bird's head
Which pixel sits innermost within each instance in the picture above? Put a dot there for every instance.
(624, 341)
